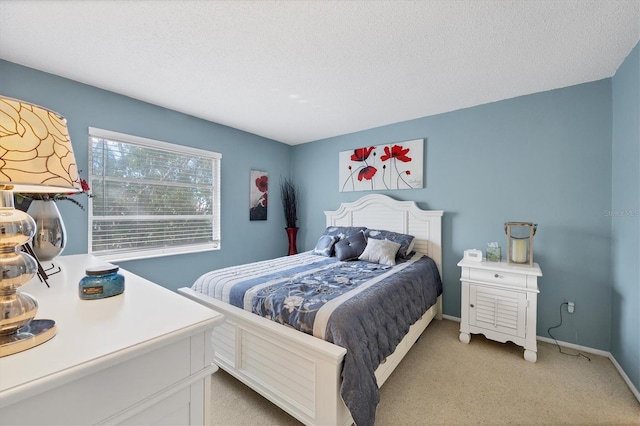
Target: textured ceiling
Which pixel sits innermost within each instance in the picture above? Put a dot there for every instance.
(298, 71)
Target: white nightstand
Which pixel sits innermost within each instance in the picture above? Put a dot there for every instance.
(499, 300)
(142, 357)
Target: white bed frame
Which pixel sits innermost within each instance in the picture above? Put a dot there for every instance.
(298, 372)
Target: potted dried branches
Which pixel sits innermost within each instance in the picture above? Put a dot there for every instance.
(288, 192)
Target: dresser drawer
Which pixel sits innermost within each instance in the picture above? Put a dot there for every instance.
(498, 277)
(98, 396)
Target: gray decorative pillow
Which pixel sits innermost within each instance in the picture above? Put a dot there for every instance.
(350, 247)
(324, 247)
(380, 251)
(405, 240)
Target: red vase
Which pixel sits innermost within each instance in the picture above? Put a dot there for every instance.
(291, 234)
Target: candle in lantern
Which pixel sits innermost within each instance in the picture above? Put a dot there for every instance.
(519, 251)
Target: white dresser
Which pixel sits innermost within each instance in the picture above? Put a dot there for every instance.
(499, 300)
(142, 357)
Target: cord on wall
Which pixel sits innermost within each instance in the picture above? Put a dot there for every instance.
(554, 339)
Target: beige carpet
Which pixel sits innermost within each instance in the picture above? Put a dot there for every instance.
(444, 382)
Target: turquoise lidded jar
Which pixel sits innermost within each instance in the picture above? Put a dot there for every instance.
(100, 282)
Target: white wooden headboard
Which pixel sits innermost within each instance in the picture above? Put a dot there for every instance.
(378, 211)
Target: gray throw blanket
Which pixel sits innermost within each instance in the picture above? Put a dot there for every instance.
(384, 317)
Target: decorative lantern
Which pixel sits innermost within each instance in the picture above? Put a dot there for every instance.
(520, 242)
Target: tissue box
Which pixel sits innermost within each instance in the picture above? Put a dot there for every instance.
(494, 254)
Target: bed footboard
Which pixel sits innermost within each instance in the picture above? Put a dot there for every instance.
(298, 372)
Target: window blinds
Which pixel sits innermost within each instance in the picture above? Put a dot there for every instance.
(151, 198)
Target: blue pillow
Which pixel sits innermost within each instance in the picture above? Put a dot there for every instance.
(342, 231)
(405, 240)
(350, 247)
(324, 247)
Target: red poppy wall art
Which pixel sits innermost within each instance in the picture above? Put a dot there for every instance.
(382, 167)
(259, 186)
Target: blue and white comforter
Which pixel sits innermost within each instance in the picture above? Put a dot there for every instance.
(364, 307)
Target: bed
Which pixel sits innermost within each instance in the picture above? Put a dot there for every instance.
(303, 374)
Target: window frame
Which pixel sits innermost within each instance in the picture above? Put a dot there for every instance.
(134, 254)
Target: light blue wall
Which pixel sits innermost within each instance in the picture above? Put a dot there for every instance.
(625, 220)
(544, 158)
(84, 106)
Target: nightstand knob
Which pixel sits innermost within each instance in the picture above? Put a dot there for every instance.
(471, 305)
(497, 276)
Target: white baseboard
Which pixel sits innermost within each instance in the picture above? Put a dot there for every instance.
(625, 378)
(450, 318)
(606, 354)
(574, 346)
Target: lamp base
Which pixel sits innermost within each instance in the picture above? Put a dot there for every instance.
(33, 334)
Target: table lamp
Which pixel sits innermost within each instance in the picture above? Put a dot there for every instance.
(36, 156)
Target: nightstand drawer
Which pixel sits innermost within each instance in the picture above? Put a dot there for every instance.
(498, 277)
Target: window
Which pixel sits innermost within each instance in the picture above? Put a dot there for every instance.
(151, 198)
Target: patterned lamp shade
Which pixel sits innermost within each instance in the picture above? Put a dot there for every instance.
(35, 150)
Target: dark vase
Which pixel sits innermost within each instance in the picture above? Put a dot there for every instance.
(291, 234)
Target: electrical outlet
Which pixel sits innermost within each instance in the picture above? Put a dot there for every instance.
(571, 307)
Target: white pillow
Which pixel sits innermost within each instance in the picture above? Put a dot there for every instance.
(380, 251)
